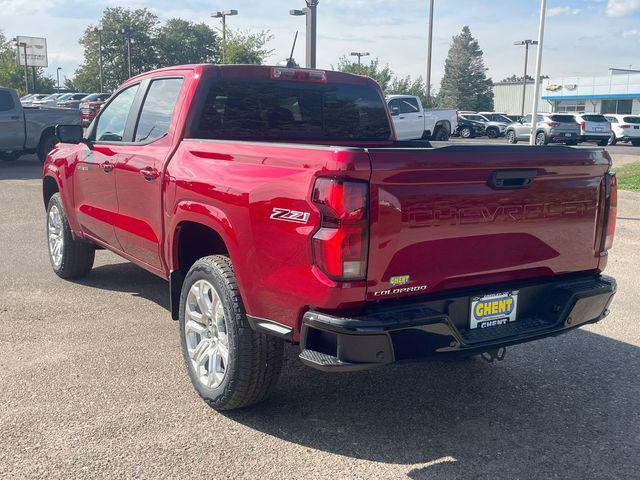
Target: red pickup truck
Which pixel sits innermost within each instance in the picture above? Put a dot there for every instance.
(279, 207)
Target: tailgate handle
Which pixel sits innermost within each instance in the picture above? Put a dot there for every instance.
(503, 179)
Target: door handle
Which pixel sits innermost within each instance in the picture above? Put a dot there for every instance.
(149, 173)
(107, 167)
(401, 118)
(511, 179)
(15, 117)
(419, 116)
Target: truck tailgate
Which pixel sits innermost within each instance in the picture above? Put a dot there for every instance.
(457, 216)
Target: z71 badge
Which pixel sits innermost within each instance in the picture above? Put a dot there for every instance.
(287, 215)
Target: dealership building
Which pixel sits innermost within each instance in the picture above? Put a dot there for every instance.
(618, 92)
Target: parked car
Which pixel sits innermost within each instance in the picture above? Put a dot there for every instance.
(624, 128)
(493, 129)
(514, 118)
(27, 130)
(49, 100)
(594, 128)
(71, 100)
(411, 121)
(28, 100)
(468, 128)
(551, 128)
(497, 117)
(277, 206)
(90, 106)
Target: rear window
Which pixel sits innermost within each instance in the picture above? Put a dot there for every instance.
(635, 120)
(282, 110)
(563, 118)
(595, 118)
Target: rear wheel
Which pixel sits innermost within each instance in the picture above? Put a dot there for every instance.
(603, 143)
(441, 134)
(466, 132)
(69, 257)
(47, 142)
(511, 137)
(572, 143)
(635, 143)
(541, 139)
(613, 139)
(10, 156)
(230, 365)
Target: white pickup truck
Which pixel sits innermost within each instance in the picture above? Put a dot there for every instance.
(412, 122)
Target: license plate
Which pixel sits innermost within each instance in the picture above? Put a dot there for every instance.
(493, 310)
(599, 129)
(567, 134)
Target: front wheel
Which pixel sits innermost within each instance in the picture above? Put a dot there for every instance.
(47, 143)
(613, 139)
(493, 133)
(229, 364)
(511, 137)
(635, 143)
(466, 132)
(10, 156)
(70, 257)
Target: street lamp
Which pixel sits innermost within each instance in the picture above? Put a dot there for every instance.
(23, 45)
(58, 77)
(311, 12)
(526, 44)
(536, 81)
(99, 33)
(359, 55)
(223, 15)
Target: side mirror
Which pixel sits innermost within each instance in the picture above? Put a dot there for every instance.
(395, 111)
(69, 133)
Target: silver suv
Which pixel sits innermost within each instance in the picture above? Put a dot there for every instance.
(550, 128)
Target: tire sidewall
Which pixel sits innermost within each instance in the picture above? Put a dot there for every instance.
(210, 272)
(468, 131)
(47, 144)
(66, 234)
(511, 137)
(544, 138)
(493, 133)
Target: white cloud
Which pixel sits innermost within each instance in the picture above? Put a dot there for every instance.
(631, 33)
(619, 8)
(564, 10)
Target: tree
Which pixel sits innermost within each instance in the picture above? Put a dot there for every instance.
(465, 84)
(142, 26)
(12, 74)
(518, 79)
(373, 70)
(244, 47)
(409, 86)
(181, 42)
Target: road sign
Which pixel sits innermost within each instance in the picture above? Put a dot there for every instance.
(36, 52)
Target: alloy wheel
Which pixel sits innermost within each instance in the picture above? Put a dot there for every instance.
(56, 235)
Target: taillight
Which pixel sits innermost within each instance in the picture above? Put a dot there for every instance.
(625, 126)
(583, 125)
(341, 245)
(611, 210)
(553, 124)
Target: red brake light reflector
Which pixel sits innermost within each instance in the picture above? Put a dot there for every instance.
(280, 73)
(612, 206)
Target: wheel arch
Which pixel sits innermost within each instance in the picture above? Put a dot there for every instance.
(49, 188)
(443, 123)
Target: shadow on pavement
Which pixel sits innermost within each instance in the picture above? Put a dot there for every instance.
(565, 407)
(25, 168)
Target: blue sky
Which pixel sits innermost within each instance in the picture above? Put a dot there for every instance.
(584, 37)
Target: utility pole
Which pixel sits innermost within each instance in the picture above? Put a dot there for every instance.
(223, 15)
(26, 68)
(359, 55)
(99, 32)
(536, 82)
(429, 51)
(127, 32)
(311, 14)
(526, 44)
(58, 77)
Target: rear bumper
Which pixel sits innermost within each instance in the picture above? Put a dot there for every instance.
(438, 326)
(595, 137)
(558, 137)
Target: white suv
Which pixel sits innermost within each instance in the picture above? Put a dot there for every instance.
(594, 128)
(625, 128)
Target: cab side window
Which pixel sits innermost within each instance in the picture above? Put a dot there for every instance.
(113, 119)
(394, 106)
(6, 102)
(157, 109)
(409, 105)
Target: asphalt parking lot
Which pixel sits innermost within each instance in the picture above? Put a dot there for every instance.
(92, 385)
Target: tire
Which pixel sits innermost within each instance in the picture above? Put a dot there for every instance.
(10, 156)
(603, 143)
(253, 359)
(441, 134)
(47, 142)
(613, 139)
(70, 258)
(541, 139)
(635, 143)
(493, 133)
(466, 132)
(572, 143)
(511, 137)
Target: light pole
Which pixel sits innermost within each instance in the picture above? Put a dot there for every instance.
(223, 15)
(58, 77)
(99, 32)
(26, 68)
(311, 12)
(526, 44)
(127, 32)
(536, 81)
(359, 55)
(429, 49)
